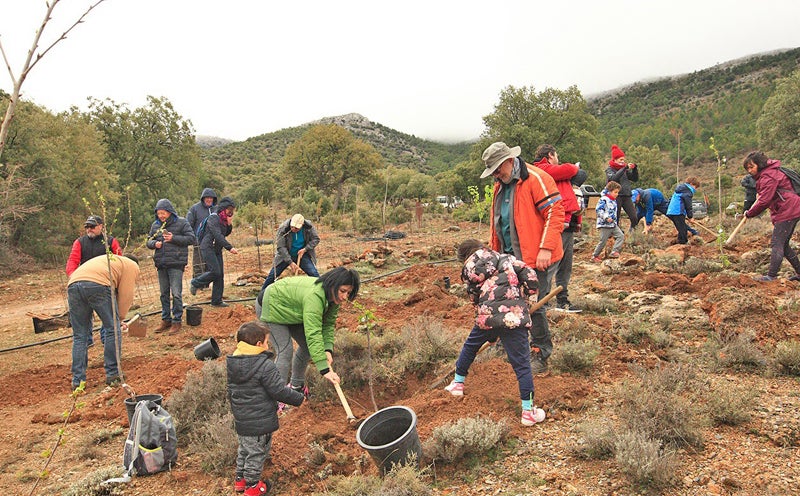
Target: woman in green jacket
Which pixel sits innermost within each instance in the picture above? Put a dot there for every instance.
(304, 309)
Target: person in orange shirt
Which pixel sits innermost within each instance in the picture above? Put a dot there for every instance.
(527, 221)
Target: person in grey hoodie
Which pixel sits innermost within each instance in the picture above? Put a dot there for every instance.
(170, 237)
(195, 216)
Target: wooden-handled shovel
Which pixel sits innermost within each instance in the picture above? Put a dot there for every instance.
(350, 417)
(539, 304)
(729, 241)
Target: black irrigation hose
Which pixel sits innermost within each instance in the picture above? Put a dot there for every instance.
(240, 300)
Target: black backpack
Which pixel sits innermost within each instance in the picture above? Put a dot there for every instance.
(794, 178)
(201, 229)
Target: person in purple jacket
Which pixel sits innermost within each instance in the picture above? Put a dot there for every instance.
(775, 192)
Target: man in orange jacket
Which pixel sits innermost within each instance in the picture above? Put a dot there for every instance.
(527, 221)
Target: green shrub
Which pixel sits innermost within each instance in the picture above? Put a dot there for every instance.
(575, 355)
(635, 330)
(404, 480)
(204, 396)
(425, 344)
(787, 357)
(399, 215)
(661, 339)
(367, 220)
(644, 461)
(467, 436)
(92, 484)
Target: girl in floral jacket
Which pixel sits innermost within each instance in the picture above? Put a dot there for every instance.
(498, 285)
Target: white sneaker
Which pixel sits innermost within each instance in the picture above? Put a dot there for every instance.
(455, 388)
(531, 417)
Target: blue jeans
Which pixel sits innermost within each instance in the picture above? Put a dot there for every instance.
(306, 265)
(84, 297)
(215, 275)
(171, 281)
(515, 342)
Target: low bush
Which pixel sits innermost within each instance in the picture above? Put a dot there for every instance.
(204, 396)
(740, 352)
(575, 355)
(216, 441)
(92, 484)
(659, 404)
(636, 330)
(597, 440)
(405, 480)
(730, 405)
(467, 436)
(661, 339)
(644, 461)
(787, 357)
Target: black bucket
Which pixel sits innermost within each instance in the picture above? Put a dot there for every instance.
(390, 437)
(207, 350)
(194, 315)
(130, 403)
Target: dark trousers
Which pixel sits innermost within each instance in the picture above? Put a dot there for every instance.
(781, 235)
(540, 329)
(680, 225)
(626, 203)
(306, 265)
(214, 276)
(564, 271)
(251, 456)
(515, 342)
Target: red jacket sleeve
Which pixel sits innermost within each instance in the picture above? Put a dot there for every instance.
(74, 259)
(115, 248)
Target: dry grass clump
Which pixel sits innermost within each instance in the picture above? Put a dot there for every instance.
(315, 455)
(467, 436)
(730, 405)
(787, 357)
(601, 305)
(203, 396)
(659, 404)
(575, 355)
(635, 330)
(644, 460)
(597, 440)
(739, 351)
(203, 420)
(695, 265)
(92, 484)
(401, 480)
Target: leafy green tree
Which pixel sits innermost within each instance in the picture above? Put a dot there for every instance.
(151, 148)
(778, 127)
(62, 159)
(648, 161)
(528, 119)
(455, 182)
(327, 156)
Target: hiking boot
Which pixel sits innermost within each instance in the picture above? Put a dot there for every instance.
(239, 484)
(193, 289)
(538, 364)
(613, 254)
(165, 325)
(596, 259)
(455, 388)
(531, 417)
(113, 381)
(795, 277)
(765, 278)
(262, 487)
(175, 328)
(221, 304)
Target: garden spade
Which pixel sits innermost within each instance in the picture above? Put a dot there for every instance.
(729, 241)
(350, 417)
(539, 304)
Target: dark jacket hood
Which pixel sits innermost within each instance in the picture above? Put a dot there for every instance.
(164, 204)
(242, 368)
(208, 193)
(224, 203)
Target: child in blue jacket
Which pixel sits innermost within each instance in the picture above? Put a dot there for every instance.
(680, 207)
(607, 223)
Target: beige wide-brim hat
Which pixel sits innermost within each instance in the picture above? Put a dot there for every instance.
(496, 154)
(297, 221)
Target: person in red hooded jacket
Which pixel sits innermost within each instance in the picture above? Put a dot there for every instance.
(775, 192)
(546, 158)
(623, 173)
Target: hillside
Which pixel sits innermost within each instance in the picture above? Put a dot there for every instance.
(263, 153)
(723, 101)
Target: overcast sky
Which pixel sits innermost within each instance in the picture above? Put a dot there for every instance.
(241, 68)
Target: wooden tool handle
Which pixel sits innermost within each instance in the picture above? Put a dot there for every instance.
(741, 223)
(345, 404)
(549, 296)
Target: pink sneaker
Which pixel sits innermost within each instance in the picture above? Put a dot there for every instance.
(531, 417)
(455, 388)
(597, 259)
